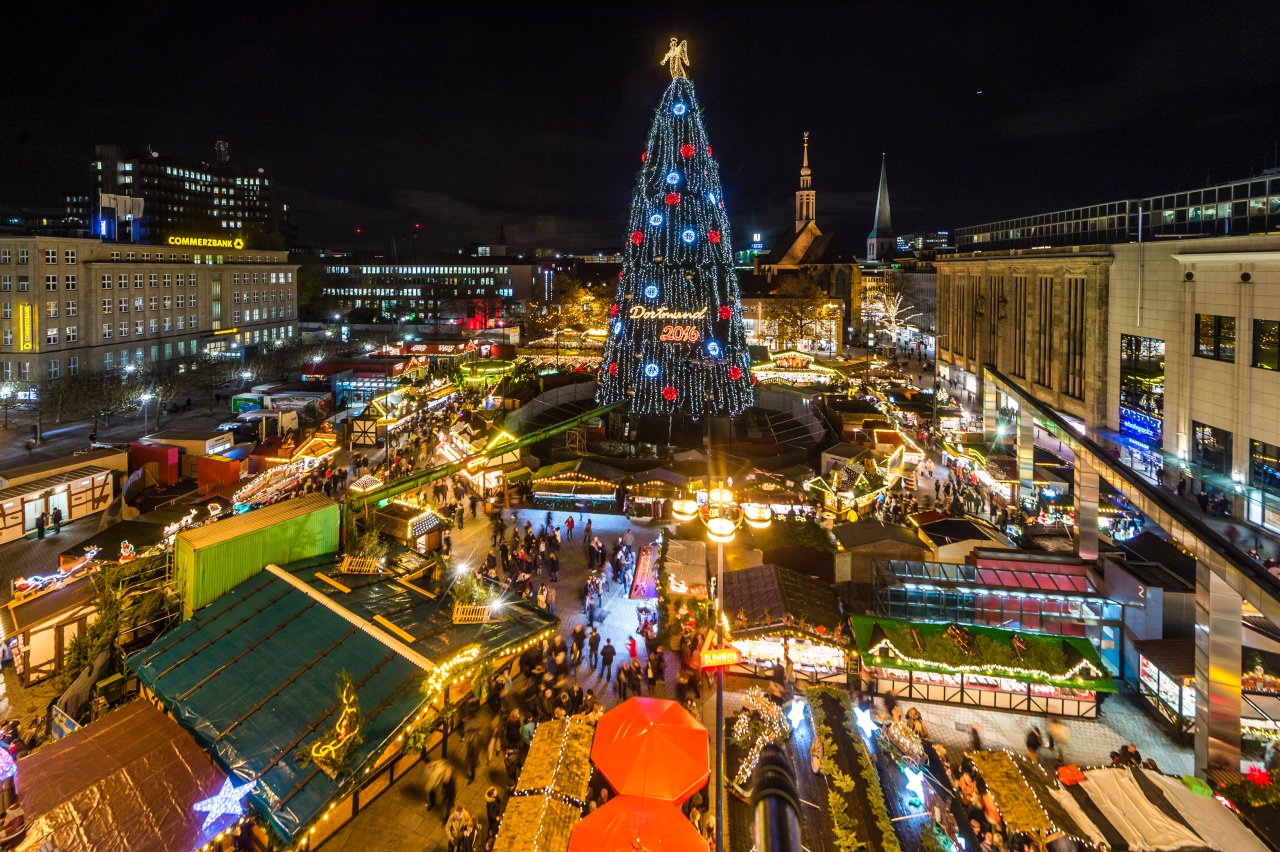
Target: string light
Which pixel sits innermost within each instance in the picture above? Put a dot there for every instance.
(776, 729)
(884, 646)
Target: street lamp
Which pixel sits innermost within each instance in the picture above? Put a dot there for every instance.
(722, 517)
(144, 399)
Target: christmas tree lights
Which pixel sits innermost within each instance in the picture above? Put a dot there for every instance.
(677, 344)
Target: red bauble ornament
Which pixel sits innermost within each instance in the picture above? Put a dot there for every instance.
(619, 274)
(713, 235)
(686, 150)
(709, 151)
(578, 369)
(725, 312)
(673, 198)
(613, 368)
(613, 309)
(735, 372)
(644, 156)
(669, 393)
(636, 238)
(754, 380)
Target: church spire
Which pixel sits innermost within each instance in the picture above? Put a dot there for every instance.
(880, 242)
(806, 198)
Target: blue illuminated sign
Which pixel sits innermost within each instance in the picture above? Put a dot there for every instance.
(679, 108)
(1141, 426)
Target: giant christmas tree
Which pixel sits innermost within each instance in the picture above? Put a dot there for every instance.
(675, 343)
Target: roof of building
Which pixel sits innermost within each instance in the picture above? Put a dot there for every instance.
(822, 249)
(863, 533)
(236, 526)
(47, 468)
(769, 594)
(845, 451)
(128, 781)
(254, 675)
(1158, 564)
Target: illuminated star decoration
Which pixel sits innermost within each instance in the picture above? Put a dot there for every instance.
(915, 782)
(862, 718)
(796, 713)
(225, 802)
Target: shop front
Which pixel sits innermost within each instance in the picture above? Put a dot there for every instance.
(75, 493)
(1167, 679)
(982, 667)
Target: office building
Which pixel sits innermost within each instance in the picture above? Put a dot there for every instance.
(143, 196)
(1168, 346)
(71, 305)
(449, 296)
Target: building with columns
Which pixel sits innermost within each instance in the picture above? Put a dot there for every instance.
(1145, 336)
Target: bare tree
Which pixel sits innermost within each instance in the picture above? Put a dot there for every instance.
(895, 314)
(798, 308)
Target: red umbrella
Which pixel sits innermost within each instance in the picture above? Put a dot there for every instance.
(652, 747)
(635, 823)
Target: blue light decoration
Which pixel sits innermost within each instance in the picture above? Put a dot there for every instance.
(673, 177)
(1147, 429)
(679, 108)
(226, 802)
(8, 766)
(617, 327)
(688, 235)
(655, 219)
(651, 292)
(651, 370)
(713, 349)
(711, 196)
(795, 713)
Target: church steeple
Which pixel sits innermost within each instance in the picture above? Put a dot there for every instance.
(881, 243)
(806, 198)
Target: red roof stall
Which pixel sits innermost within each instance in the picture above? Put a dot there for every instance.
(165, 457)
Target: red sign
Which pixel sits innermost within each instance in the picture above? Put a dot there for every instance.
(712, 658)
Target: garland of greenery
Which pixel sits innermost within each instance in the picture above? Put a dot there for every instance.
(871, 778)
(1258, 790)
(332, 751)
(842, 826)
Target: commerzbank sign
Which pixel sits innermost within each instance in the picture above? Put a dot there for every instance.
(207, 242)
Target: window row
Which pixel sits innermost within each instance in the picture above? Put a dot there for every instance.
(1216, 340)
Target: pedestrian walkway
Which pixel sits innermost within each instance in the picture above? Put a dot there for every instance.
(1123, 720)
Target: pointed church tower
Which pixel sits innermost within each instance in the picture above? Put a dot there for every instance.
(806, 198)
(881, 243)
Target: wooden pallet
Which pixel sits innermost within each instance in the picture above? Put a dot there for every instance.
(470, 613)
(360, 565)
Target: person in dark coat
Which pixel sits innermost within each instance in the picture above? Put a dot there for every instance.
(40, 523)
(607, 654)
(493, 810)
(57, 520)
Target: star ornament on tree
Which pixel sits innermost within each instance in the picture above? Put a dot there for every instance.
(1259, 776)
(226, 802)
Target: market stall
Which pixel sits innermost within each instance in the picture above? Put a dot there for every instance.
(787, 623)
(565, 486)
(982, 666)
(1167, 679)
(76, 486)
(795, 369)
(134, 779)
(412, 524)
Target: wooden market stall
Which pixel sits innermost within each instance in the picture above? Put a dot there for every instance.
(982, 666)
(785, 623)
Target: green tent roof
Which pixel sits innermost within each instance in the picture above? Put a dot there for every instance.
(253, 676)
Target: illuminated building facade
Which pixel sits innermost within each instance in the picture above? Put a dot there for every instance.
(70, 305)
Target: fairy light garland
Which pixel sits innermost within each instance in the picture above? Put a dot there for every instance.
(884, 645)
(776, 729)
(549, 792)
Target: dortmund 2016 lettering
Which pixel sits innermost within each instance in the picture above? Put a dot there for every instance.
(639, 312)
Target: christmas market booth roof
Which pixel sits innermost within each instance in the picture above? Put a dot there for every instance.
(769, 595)
(255, 674)
(144, 531)
(128, 781)
(1063, 661)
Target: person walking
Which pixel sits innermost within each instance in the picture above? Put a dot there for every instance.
(568, 528)
(493, 810)
(593, 644)
(1059, 737)
(607, 654)
(1034, 743)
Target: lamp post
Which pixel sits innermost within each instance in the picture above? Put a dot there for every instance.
(144, 399)
(722, 517)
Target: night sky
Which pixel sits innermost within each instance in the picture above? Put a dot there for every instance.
(380, 115)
